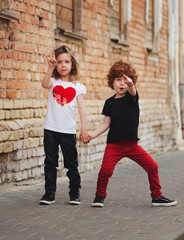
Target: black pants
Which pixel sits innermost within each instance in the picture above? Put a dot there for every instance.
(67, 142)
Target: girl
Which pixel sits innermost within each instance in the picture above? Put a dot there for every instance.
(60, 122)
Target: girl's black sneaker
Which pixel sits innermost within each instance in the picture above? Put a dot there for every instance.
(48, 198)
(163, 202)
(74, 198)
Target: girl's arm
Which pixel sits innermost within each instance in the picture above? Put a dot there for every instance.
(84, 136)
(102, 128)
(131, 87)
(46, 82)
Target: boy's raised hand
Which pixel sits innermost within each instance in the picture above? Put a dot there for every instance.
(131, 87)
(128, 81)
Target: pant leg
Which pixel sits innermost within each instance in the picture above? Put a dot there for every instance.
(113, 154)
(51, 147)
(139, 155)
(70, 155)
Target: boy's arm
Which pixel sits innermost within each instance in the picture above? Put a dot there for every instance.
(84, 136)
(131, 87)
(132, 90)
(102, 128)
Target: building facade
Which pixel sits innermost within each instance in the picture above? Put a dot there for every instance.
(141, 32)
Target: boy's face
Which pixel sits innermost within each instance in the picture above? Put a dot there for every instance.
(120, 86)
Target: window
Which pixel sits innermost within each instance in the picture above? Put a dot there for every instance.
(5, 15)
(149, 25)
(120, 14)
(115, 19)
(153, 24)
(68, 17)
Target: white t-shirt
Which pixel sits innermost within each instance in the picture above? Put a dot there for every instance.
(61, 106)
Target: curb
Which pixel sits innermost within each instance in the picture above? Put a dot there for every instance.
(180, 235)
(177, 235)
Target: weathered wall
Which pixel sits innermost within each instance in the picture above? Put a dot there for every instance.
(24, 46)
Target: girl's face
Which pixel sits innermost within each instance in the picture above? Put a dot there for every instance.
(120, 87)
(64, 66)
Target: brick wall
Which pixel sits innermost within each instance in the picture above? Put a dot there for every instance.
(24, 46)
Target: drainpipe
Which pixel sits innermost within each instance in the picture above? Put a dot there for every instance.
(181, 62)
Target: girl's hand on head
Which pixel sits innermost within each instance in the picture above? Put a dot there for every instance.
(128, 81)
(52, 61)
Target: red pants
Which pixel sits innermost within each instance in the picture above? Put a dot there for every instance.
(114, 152)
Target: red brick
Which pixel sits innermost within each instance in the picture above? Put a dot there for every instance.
(2, 83)
(45, 15)
(29, 48)
(3, 54)
(18, 46)
(11, 94)
(30, 10)
(2, 93)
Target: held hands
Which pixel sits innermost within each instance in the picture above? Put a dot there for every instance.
(84, 136)
(52, 61)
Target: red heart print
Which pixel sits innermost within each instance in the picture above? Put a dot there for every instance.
(62, 95)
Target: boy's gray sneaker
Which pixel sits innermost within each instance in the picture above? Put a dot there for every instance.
(163, 202)
(98, 201)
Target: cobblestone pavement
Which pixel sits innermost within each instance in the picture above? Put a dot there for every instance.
(126, 215)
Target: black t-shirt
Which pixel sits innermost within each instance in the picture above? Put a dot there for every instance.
(124, 114)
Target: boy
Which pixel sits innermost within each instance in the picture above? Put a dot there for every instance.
(122, 118)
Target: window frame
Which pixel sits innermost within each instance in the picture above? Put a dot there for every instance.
(76, 22)
(157, 24)
(5, 15)
(124, 18)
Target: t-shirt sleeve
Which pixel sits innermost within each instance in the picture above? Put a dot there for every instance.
(81, 89)
(137, 95)
(134, 98)
(106, 109)
(53, 80)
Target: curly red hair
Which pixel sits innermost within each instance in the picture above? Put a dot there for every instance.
(118, 69)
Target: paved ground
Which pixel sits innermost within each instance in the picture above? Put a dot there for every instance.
(126, 215)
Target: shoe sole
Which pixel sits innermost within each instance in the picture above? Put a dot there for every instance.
(74, 203)
(44, 202)
(164, 204)
(100, 205)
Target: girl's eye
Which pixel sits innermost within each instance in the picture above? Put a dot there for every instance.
(67, 61)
